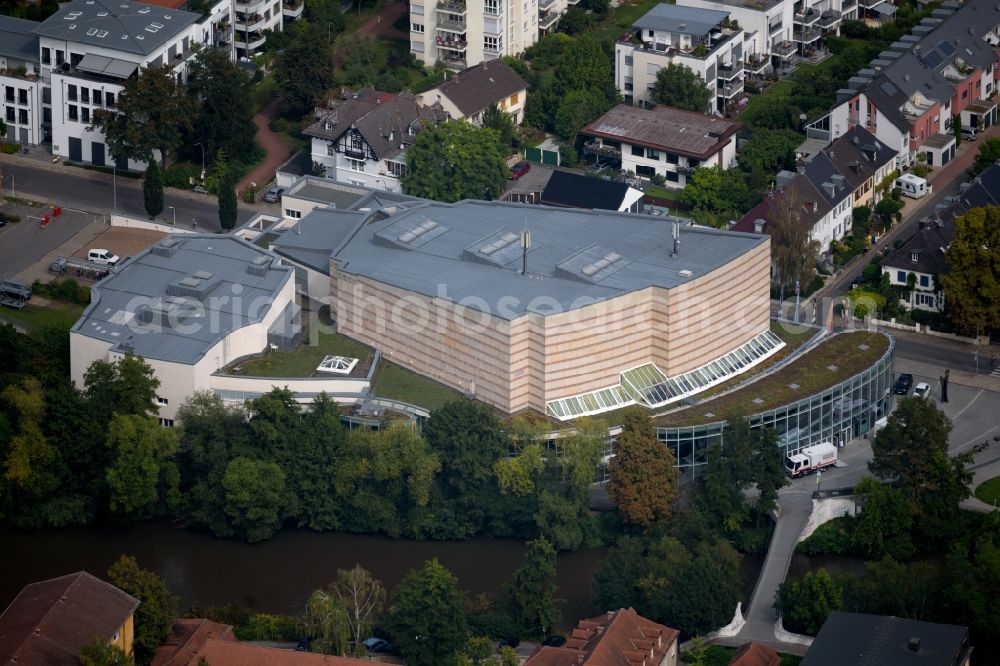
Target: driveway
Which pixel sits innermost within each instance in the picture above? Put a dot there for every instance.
(277, 151)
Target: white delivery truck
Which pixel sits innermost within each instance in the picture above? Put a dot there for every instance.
(811, 459)
(913, 186)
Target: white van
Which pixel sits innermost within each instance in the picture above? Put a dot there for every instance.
(912, 186)
(102, 257)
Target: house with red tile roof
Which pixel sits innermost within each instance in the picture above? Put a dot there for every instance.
(617, 638)
(50, 622)
(221, 652)
(187, 638)
(755, 654)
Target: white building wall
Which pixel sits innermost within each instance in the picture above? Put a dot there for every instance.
(510, 25)
(376, 174)
(661, 163)
(925, 296)
(22, 108)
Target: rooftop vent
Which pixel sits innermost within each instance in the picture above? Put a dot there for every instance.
(157, 25)
(259, 266)
(102, 13)
(102, 34)
(92, 32)
(144, 10)
(914, 644)
(193, 286)
(165, 248)
(423, 228)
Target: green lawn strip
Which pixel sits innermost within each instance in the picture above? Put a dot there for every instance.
(34, 316)
(263, 92)
(810, 373)
(620, 19)
(303, 361)
(989, 491)
(397, 383)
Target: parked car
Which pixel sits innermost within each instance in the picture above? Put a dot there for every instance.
(519, 170)
(102, 257)
(903, 384)
(554, 641)
(379, 646)
(969, 133)
(512, 642)
(200, 189)
(273, 195)
(303, 645)
(921, 390)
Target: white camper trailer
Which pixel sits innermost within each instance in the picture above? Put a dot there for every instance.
(912, 186)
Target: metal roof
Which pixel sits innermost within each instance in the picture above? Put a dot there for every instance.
(564, 261)
(687, 20)
(847, 639)
(211, 285)
(118, 25)
(16, 40)
(311, 240)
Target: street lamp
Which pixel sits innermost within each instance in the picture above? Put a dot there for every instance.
(202, 146)
(174, 211)
(114, 189)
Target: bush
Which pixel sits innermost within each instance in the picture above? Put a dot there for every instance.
(279, 125)
(10, 217)
(68, 290)
(179, 175)
(10, 148)
(831, 538)
(493, 623)
(250, 194)
(267, 627)
(568, 156)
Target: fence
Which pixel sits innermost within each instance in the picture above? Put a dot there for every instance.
(542, 156)
(925, 329)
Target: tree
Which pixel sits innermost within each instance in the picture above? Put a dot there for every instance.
(703, 593)
(152, 190)
(427, 618)
(576, 20)
(883, 528)
(584, 65)
(616, 581)
(642, 474)
(770, 150)
(804, 605)
(887, 210)
(988, 155)
(680, 87)
(716, 191)
(326, 623)
(456, 161)
(502, 123)
(793, 251)
(226, 188)
(577, 108)
(143, 477)
(224, 119)
(517, 474)
(533, 589)
(126, 386)
(972, 294)
(364, 58)
(362, 598)
(157, 607)
(912, 452)
(153, 113)
(304, 72)
(99, 652)
(255, 498)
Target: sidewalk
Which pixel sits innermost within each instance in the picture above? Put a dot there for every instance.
(274, 144)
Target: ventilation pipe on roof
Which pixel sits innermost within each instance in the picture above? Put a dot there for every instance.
(525, 246)
(677, 239)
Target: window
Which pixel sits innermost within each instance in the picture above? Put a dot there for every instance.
(167, 423)
(643, 170)
(357, 142)
(417, 10)
(46, 56)
(97, 97)
(417, 27)
(293, 214)
(491, 7)
(22, 116)
(47, 115)
(491, 42)
(901, 277)
(693, 163)
(84, 114)
(628, 61)
(75, 58)
(652, 68)
(673, 177)
(672, 159)
(72, 112)
(355, 165)
(71, 92)
(9, 94)
(652, 154)
(162, 401)
(638, 151)
(914, 257)
(397, 169)
(109, 99)
(965, 94)
(925, 281)
(331, 149)
(22, 96)
(10, 114)
(60, 57)
(85, 95)
(514, 98)
(417, 47)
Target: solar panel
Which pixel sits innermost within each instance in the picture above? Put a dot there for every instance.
(888, 88)
(932, 59)
(946, 47)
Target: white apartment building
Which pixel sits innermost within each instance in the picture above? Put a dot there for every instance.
(700, 39)
(463, 33)
(254, 19)
(60, 71)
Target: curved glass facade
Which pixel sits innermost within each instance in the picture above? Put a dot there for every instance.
(839, 414)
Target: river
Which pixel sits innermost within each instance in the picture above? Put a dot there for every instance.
(276, 576)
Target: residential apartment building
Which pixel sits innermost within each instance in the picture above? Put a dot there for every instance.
(661, 141)
(361, 138)
(702, 40)
(470, 92)
(463, 33)
(254, 19)
(60, 71)
(908, 95)
(777, 33)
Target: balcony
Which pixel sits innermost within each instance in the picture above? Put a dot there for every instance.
(729, 90)
(251, 42)
(547, 19)
(452, 45)
(456, 26)
(455, 8)
(757, 63)
(597, 148)
(730, 71)
(451, 62)
(251, 7)
(807, 18)
(292, 9)
(545, 4)
(784, 50)
(807, 36)
(494, 11)
(253, 22)
(830, 18)
(848, 5)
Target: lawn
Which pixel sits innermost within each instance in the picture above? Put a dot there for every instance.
(398, 383)
(810, 373)
(620, 19)
(302, 362)
(989, 491)
(57, 314)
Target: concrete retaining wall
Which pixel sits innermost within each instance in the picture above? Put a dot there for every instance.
(135, 223)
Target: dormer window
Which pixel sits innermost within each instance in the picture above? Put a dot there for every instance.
(328, 126)
(915, 257)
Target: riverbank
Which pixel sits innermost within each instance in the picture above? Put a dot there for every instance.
(277, 576)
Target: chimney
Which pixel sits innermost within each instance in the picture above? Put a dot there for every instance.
(914, 645)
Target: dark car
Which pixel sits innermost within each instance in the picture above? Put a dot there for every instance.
(510, 642)
(554, 641)
(519, 170)
(303, 645)
(903, 384)
(379, 646)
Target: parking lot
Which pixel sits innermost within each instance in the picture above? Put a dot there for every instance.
(124, 242)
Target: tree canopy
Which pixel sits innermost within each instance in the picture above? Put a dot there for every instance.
(427, 617)
(456, 161)
(224, 120)
(680, 87)
(642, 474)
(157, 607)
(532, 589)
(304, 72)
(972, 292)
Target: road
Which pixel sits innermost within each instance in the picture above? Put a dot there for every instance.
(83, 195)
